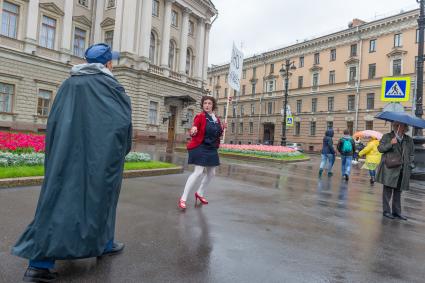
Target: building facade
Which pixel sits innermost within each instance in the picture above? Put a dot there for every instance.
(336, 83)
(163, 64)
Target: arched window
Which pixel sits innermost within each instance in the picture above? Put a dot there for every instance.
(152, 48)
(171, 53)
(188, 62)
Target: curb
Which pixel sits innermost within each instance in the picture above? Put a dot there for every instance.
(252, 158)
(38, 180)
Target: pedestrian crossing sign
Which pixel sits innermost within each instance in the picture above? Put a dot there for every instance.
(289, 121)
(395, 89)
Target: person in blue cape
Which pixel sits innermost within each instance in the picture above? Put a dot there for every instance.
(89, 133)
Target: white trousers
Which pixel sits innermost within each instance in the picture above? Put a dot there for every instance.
(190, 183)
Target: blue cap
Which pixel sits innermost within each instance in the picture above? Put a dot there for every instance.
(100, 53)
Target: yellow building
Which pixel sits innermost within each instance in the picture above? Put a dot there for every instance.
(337, 83)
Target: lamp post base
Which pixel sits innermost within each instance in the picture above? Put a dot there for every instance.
(418, 173)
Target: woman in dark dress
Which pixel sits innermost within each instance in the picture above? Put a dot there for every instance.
(203, 149)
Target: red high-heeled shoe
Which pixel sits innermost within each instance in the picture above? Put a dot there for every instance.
(201, 199)
(182, 204)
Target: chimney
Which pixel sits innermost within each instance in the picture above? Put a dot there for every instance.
(355, 23)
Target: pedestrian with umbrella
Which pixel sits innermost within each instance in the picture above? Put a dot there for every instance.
(397, 150)
(373, 156)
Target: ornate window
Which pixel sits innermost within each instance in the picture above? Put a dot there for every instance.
(48, 32)
(155, 8)
(188, 62)
(152, 47)
(191, 28)
(110, 4)
(174, 18)
(79, 42)
(153, 113)
(84, 3)
(109, 37)
(171, 53)
(10, 20)
(6, 97)
(43, 102)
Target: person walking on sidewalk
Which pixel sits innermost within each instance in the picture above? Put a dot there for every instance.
(358, 147)
(89, 133)
(203, 149)
(373, 158)
(328, 153)
(346, 148)
(395, 168)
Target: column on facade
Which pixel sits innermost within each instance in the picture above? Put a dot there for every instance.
(145, 32)
(100, 8)
(32, 24)
(125, 26)
(200, 40)
(67, 27)
(183, 41)
(206, 45)
(166, 33)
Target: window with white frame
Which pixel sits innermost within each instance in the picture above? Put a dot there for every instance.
(48, 32)
(79, 42)
(299, 106)
(270, 86)
(372, 71)
(10, 20)
(351, 101)
(174, 18)
(253, 89)
(333, 55)
(269, 108)
(396, 67)
(330, 103)
(155, 8)
(110, 4)
(252, 108)
(43, 102)
(7, 92)
(240, 128)
(372, 45)
(312, 128)
(316, 58)
(352, 74)
(332, 77)
(171, 53)
(353, 50)
(370, 101)
(398, 40)
(251, 127)
(109, 37)
(84, 3)
(191, 28)
(313, 105)
(152, 47)
(153, 113)
(315, 80)
(300, 81)
(301, 62)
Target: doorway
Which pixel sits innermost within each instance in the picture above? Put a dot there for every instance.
(268, 136)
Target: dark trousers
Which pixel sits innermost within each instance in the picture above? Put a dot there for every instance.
(396, 200)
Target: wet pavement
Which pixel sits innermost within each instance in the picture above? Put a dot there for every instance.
(265, 223)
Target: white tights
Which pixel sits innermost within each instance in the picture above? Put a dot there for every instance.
(194, 176)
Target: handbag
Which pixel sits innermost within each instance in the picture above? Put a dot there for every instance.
(393, 160)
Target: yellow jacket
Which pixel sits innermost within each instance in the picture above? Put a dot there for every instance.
(371, 152)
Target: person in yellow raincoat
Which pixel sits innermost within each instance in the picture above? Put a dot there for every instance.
(373, 157)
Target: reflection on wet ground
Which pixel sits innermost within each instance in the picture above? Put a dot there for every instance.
(265, 223)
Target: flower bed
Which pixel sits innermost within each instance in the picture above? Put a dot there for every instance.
(21, 143)
(260, 150)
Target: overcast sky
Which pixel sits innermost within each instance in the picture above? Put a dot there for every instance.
(270, 24)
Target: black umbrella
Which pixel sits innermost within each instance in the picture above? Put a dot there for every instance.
(401, 117)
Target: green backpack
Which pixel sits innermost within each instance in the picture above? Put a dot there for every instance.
(347, 146)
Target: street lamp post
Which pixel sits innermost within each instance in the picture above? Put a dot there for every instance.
(418, 138)
(284, 73)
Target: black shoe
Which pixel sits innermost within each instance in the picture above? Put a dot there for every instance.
(346, 177)
(330, 174)
(39, 275)
(116, 249)
(372, 181)
(388, 215)
(399, 216)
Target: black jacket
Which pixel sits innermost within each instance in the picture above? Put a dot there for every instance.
(328, 147)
